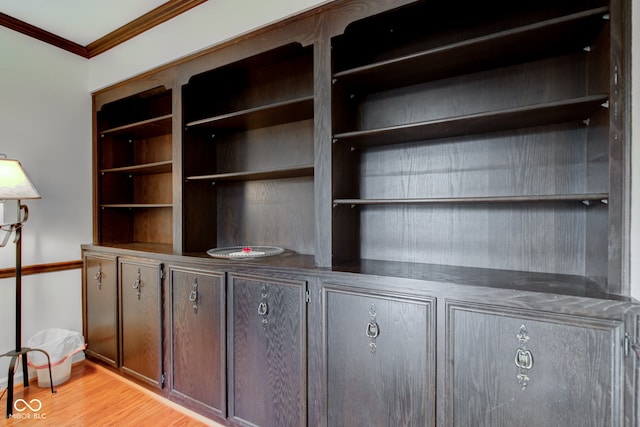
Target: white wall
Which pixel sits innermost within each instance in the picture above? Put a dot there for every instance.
(45, 123)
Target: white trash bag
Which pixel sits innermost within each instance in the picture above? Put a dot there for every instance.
(61, 344)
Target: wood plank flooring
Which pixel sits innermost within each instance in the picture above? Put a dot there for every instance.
(95, 396)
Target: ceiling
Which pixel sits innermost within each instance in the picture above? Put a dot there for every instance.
(88, 27)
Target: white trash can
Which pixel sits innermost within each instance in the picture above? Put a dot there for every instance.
(61, 344)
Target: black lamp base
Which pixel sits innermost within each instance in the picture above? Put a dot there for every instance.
(15, 354)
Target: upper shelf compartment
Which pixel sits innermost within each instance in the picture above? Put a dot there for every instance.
(142, 115)
(269, 89)
(564, 34)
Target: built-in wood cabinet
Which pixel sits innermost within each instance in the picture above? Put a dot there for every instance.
(100, 311)
(267, 351)
(444, 178)
(141, 331)
(380, 357)
(197, 306)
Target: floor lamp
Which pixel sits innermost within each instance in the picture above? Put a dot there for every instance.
(15, 185)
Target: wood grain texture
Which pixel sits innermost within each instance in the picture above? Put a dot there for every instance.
(391, 384)
(572, 360)
(267, 377)
(95, 396)
(101, 308)
(140, 325)
(198, 340)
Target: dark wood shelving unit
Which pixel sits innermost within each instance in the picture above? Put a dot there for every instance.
(441, 177)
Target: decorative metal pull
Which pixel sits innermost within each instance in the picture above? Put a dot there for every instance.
(372, 330)
(193, 296)
(263, 309)
(523, 358)
(137, 285)
(98, 277)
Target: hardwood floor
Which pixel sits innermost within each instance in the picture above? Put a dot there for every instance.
(95, 396)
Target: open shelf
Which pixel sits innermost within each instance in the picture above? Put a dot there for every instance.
(142, 129)
(290, 172)
(258, 117)
(582, 198)
(550, 37)
(136, 205)
(144, 169)
(491, 121)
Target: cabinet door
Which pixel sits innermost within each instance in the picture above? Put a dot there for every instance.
(380, 360)
(267, 344)
(101, 307)
(141, 328)
(532, 369)
(198, 339)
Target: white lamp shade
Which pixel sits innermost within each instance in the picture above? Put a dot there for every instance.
(14, 183)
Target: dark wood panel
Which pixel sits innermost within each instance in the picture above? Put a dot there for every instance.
(289, 172)
(141, 328)
(380, 360)
(267, 327)
(198, 339)
(267, 213)
(101, 308)
(571, 357)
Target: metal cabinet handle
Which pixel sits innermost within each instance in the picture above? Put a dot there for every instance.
(136, 285)
(263, 309)
(373, 330)
(524, 359)
(193, 295)
(98, 277)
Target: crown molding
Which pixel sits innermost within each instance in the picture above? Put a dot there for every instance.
(157, 16)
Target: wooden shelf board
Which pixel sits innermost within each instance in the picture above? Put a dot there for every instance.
(542, 39)
(492, 121)
(143, 129)
(292, 172)
(584, 198)
(136, 205)
(259, 117)
(144, 169)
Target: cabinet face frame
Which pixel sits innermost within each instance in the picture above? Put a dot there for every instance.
(219, 410)
(606, 333)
